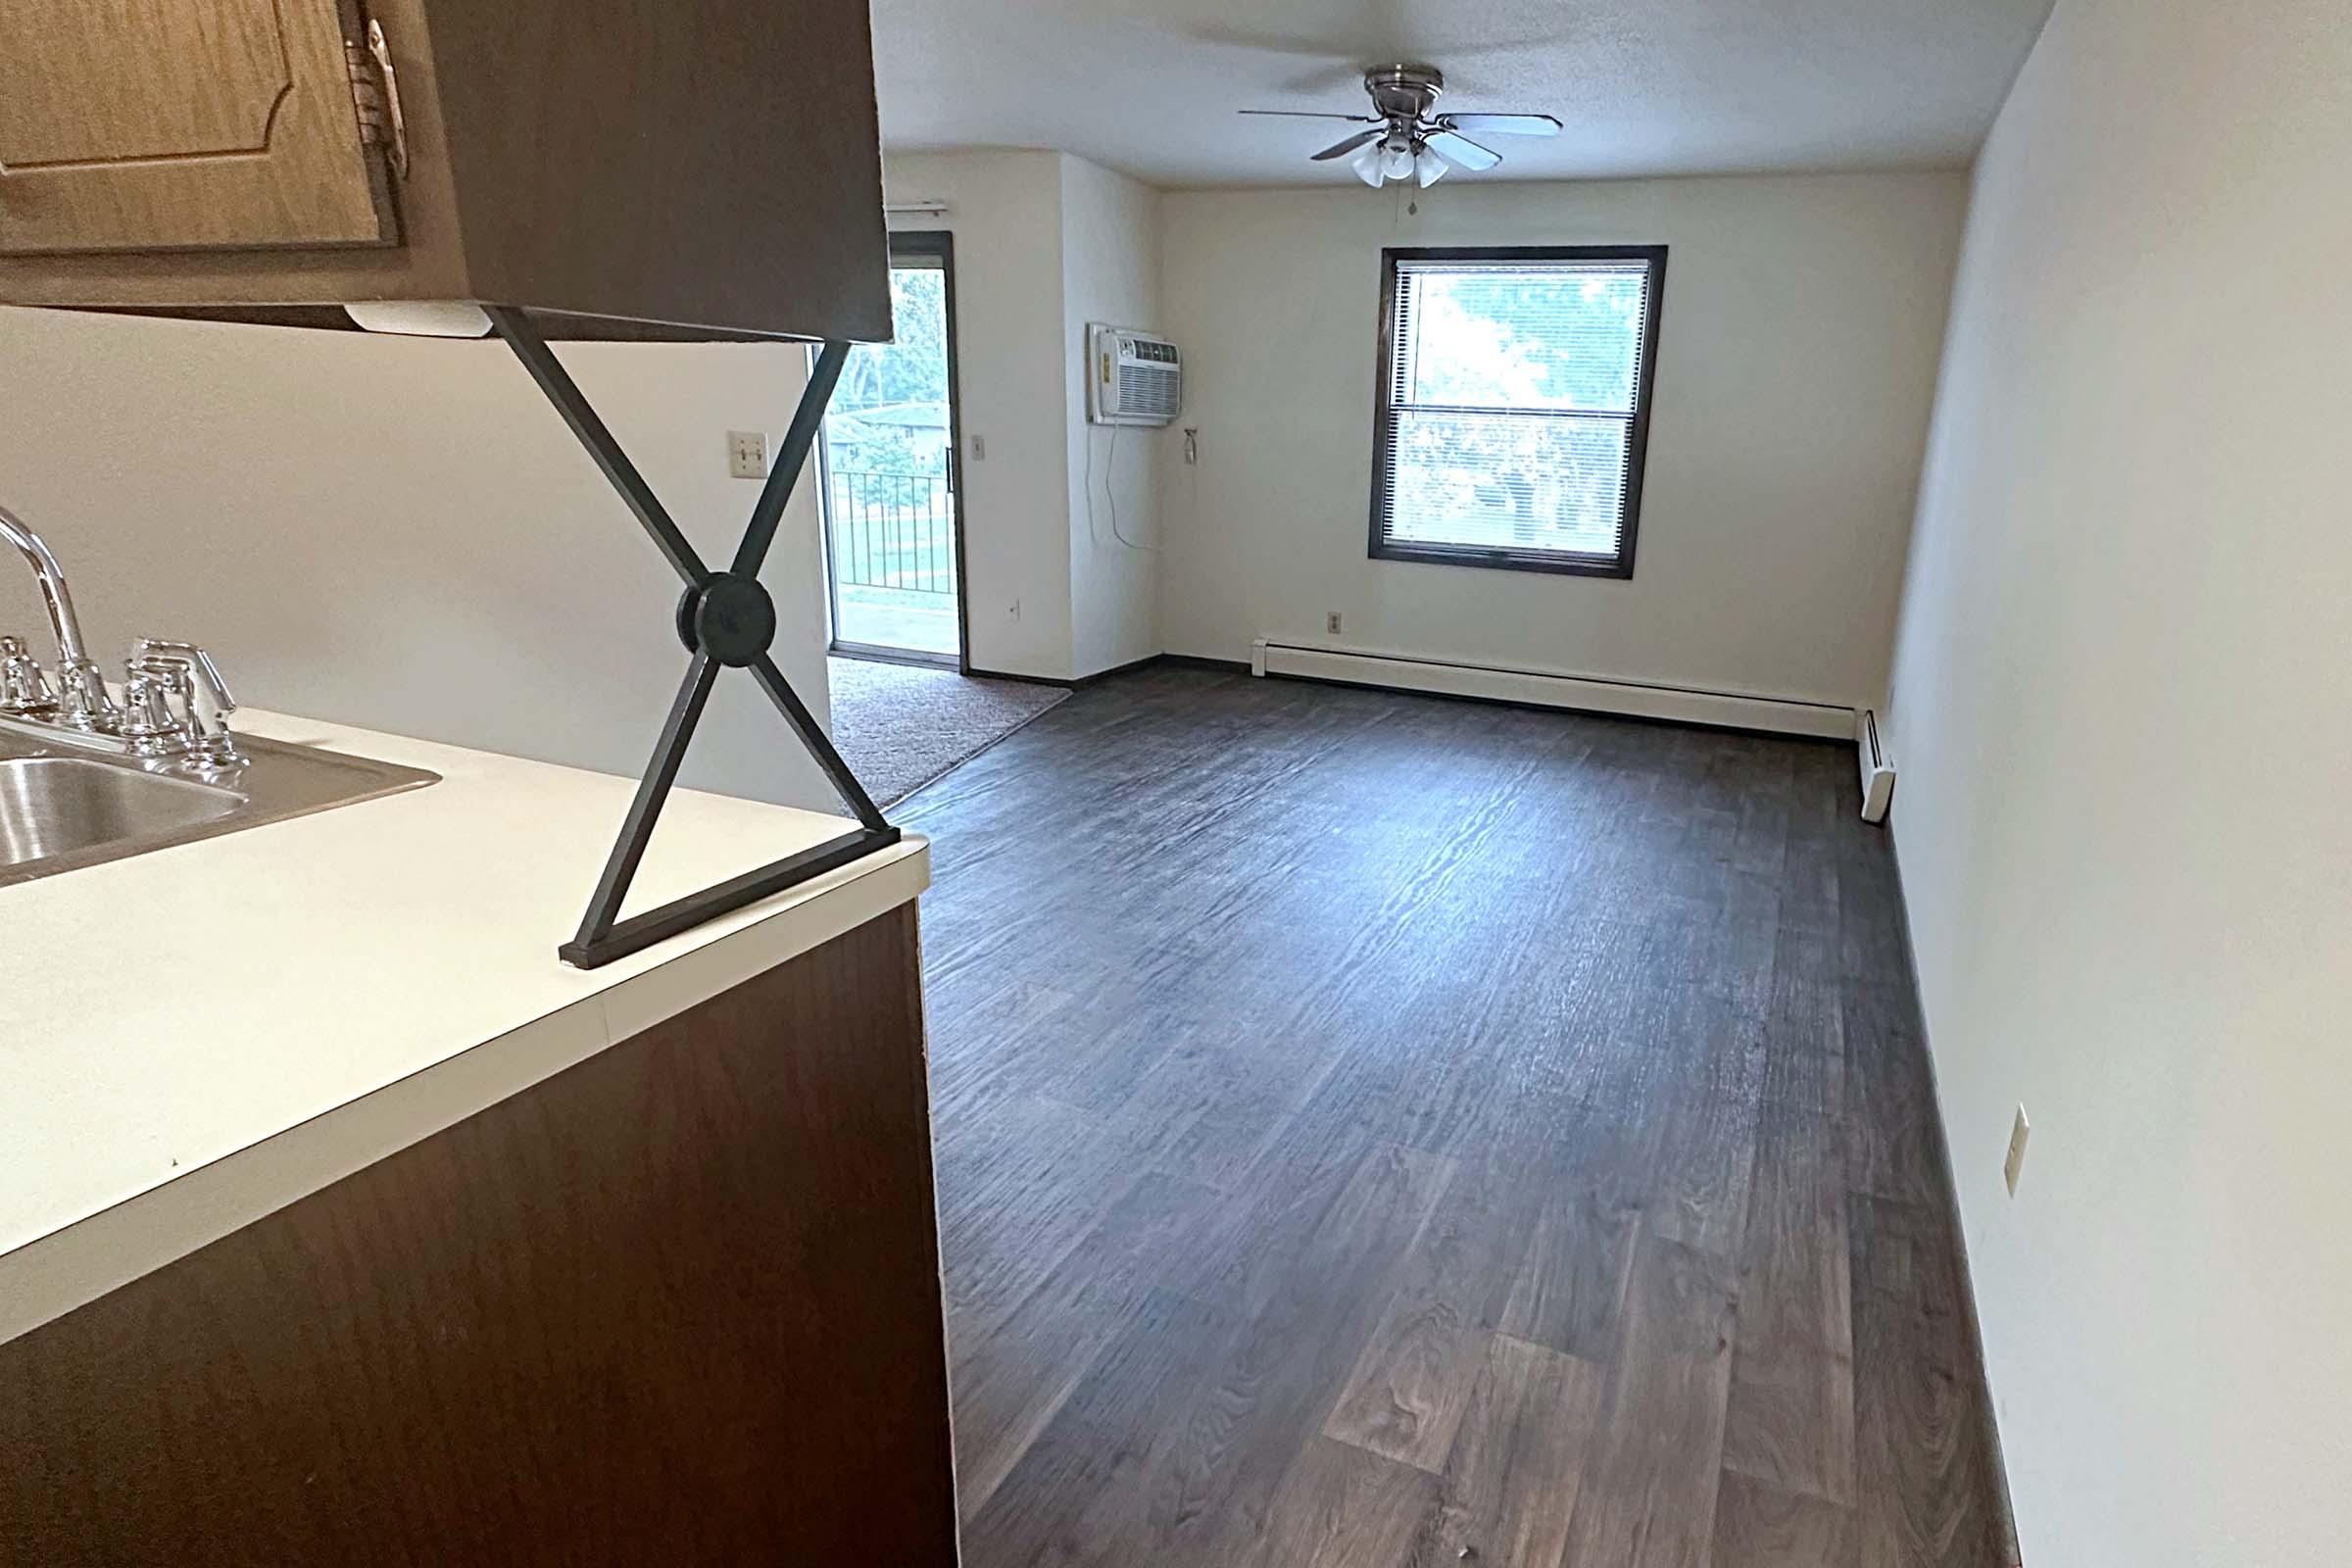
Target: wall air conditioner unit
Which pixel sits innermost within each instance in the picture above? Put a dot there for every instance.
(1132, 377)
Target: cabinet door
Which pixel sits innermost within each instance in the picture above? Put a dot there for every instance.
(183, 125)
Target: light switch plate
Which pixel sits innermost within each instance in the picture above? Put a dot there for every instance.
(2016, 1163)
(747, 453)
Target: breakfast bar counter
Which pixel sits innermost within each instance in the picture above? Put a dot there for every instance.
(341, 1220)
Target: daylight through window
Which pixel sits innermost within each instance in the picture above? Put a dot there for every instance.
(1514, 406)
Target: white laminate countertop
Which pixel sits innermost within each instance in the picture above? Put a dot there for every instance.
(193, 1038)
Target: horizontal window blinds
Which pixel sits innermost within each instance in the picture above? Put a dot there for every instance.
(1511, 396)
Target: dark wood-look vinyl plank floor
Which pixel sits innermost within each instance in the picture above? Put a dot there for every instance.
(1373, 1129)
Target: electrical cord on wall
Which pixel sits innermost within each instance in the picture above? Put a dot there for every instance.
(1111, 491)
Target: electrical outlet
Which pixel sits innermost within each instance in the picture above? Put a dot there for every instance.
(747, 453)
(2015, 1164)
(1331, 621)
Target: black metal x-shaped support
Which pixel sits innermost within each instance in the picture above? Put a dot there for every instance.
(725, 618)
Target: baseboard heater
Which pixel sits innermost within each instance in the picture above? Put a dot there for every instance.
(1588, 694)
(1877, 773)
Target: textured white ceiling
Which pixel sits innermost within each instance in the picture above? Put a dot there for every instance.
(1645, 87)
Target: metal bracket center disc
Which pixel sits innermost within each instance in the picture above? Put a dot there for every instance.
(729, 618)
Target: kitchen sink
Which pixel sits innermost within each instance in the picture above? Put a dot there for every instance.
(65, 805)
(59, 805)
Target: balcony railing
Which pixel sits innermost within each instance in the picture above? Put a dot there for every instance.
(892, 531)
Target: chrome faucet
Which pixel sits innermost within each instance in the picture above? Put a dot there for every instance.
(82, 700)
(194, 739)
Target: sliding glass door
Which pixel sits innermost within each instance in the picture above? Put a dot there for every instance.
(894, 550)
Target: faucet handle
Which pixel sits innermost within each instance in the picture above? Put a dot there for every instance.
(198, 663)
(25, 690)
(147, 723)
(182, 670)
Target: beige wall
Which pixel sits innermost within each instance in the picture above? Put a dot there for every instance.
(1110, 274)
(399, 533)
(1796, 368)
(1004, 210)
(1045, 242)
(2122, 717)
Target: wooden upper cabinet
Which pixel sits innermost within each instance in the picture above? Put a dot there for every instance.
(703, 170)
(171, 125)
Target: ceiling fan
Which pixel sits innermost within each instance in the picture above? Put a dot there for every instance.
(1406, 141)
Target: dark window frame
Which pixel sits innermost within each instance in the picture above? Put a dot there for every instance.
(1384, 435)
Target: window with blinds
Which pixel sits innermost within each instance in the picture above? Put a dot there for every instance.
(1514, 406)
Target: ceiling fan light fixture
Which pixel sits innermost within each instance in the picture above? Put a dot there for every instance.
(1403, 140)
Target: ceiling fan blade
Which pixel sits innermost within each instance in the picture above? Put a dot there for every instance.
(1344, 148)
(1461, 151)
(1302, 114)
(1502, 124)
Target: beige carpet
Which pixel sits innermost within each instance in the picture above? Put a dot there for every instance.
(903, 725)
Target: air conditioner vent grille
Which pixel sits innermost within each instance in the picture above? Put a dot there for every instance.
(1132, 377)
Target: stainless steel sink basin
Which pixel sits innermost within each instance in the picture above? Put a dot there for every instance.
(57, 806)
(65, 805)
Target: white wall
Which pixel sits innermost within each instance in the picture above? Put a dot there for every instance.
(1045, 243)
(1004, 210)
(1110, 274)
(2121, 720)
(1795, 368)
(401, 534)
